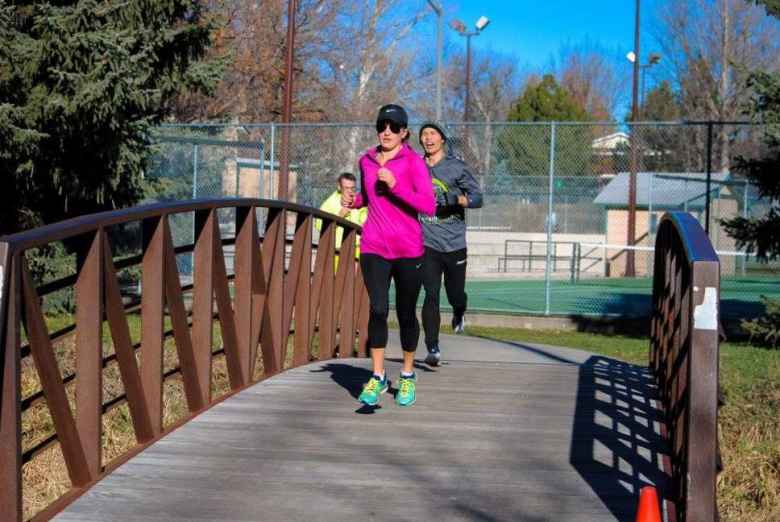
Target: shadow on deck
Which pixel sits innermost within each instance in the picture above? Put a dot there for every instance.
(503, 431)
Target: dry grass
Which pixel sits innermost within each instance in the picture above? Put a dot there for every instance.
(749, 487)
(45, 477)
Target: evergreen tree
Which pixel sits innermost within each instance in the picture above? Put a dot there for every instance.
(661, 145)
(546, 101)
(525, 150)
(761, 234)
(81, 84)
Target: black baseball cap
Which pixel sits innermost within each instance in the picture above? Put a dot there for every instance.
(433, 125)
(393, 113)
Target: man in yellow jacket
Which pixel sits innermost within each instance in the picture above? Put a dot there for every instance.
(347, 184)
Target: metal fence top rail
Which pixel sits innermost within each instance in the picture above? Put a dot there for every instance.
(416, 123)
(83, 224)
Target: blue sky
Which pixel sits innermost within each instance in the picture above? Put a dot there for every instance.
(533, 31)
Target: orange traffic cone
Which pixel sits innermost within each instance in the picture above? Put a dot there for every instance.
(648, 510)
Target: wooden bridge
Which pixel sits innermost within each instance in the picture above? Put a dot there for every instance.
(503, 431)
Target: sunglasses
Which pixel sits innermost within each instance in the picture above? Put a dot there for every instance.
(381, 125)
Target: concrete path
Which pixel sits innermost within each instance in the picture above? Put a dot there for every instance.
(502, 431)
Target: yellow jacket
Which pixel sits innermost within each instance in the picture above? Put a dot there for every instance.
(358, 216)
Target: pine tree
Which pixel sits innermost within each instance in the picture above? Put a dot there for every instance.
(81, 84)
(662, 146)
(525, 150)
(761, 234)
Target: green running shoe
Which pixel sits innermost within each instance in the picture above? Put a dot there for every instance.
(372, 390)
(406, 391)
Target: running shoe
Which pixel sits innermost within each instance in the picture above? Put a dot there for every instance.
(406, 391)
(434, 356)
(372, 390)
(458, 323)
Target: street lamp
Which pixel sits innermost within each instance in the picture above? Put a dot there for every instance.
(460, 27)
(436, 6)
(653, 59)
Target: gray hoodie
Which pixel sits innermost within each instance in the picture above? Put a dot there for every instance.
(446, 230)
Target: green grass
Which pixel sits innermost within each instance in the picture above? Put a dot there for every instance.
(628, 349)
(740, 297)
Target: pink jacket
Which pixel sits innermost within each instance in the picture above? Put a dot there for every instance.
(392, 229)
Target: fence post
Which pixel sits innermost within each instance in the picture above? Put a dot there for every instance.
(549, 221)
(709, 179)
(745, 214)
(194, 171)
(261, 151)
(271, 159)
(10, 399)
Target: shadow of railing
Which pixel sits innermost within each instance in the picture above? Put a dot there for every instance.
(617, 446)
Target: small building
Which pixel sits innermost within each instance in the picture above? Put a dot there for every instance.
(608, 145)
(657, 193)
(256, 178)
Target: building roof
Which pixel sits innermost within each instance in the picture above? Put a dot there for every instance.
(610, 142)
(669, 190)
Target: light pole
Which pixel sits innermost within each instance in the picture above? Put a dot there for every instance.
(653, 59)
(631, 235)
(284, 163)
(436, 6)
(460, 27)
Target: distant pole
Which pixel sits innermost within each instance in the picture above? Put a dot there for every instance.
(466, 113)
(630, 265)
(461, 28)
(550, 201)
(439, 45)
(284, 166)
(708, 182)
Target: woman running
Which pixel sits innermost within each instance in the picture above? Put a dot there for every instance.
(396, 187)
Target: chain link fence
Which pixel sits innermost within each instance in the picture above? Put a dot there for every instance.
(553, 235)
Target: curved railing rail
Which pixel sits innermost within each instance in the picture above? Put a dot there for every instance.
(285, 289)
(684, 359)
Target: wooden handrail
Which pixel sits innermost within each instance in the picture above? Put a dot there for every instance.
(684, 360)
(259, 305)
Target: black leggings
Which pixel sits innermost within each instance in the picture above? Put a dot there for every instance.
(453, 266)
(407, 274)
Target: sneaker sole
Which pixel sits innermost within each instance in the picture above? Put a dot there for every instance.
(407, 404)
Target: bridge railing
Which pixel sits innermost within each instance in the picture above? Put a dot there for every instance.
(288, 300)
(684, 359)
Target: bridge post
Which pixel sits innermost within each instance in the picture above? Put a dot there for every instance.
(152, 313)
(684, 359)
(10, 400)
(703, 410)
(298, 291)
(203, 298)
(273, 277)
(246, 291)
(89, 348)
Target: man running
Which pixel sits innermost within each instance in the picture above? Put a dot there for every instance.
(445, 236)
(347, 185)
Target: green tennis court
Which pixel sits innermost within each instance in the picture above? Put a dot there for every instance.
(740, 296)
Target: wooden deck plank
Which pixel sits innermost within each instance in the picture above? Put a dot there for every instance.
(501, 432)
